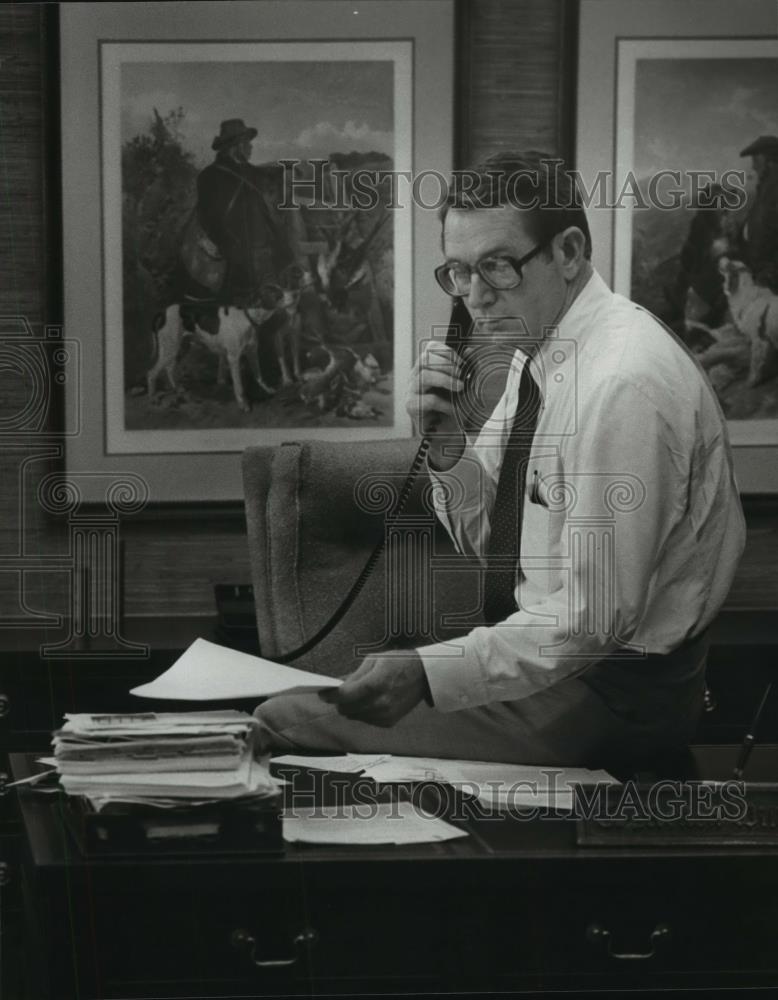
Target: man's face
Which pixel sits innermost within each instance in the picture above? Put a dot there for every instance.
(505, 316)
(242, 150)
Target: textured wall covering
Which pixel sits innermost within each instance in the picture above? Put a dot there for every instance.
(24, 458)
(515, 69)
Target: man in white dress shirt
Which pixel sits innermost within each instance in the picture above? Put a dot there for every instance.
(629, 522)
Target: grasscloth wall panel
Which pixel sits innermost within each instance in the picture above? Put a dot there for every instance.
(20, 161)
(512, 96)
(23, 529)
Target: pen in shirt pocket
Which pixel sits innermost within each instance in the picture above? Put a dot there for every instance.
(534, 489)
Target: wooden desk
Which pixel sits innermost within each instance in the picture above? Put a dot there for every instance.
(513, 907)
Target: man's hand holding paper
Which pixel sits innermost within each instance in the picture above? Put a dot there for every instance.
(382, 690)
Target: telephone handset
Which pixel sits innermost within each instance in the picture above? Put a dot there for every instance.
(459, 331)
(460, 327)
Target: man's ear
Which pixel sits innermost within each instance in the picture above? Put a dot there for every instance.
(570, 248)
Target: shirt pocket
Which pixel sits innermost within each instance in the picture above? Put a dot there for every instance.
(538, 544)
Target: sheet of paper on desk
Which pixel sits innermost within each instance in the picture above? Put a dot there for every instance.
(348, 763)
(478, 772)
(388, 769)
(500, 786)
(518, 786)
(208, 672)
(395, 770)
(381, 823)
(381, 767)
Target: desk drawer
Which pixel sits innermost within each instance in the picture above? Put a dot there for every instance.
(382, 928)
(628, 929)
(317, 930)
(652, 938)
(177, 938)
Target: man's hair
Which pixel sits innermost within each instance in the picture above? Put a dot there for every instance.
(536, 183)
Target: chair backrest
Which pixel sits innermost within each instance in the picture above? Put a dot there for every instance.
(314, 511)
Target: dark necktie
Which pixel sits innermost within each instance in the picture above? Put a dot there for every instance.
(503, 549)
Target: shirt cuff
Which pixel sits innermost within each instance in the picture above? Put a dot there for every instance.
(454, 675)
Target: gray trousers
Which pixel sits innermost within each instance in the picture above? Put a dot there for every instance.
(618, 713)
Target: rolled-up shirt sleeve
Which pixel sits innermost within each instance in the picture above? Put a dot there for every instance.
(623, 488)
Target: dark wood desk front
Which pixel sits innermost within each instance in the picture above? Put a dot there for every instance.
(515, 906)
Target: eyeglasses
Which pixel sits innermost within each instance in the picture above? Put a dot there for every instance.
(502, 273)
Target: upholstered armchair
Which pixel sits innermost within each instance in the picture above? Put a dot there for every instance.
(314, 511)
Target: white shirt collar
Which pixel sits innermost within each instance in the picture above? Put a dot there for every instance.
(572, 326)
(588, 301)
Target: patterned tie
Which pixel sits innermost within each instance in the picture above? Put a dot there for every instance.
(503, 549)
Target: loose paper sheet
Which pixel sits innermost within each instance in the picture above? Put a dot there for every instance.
(208, 672)
(500, 786)
(378, 823)
(349, 763)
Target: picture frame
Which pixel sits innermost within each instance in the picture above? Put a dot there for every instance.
(373, 61)
(626, 137)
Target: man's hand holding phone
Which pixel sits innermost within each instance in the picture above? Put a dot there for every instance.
(436, 381)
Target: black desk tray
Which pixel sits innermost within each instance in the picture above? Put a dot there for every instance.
(668, 814)
(225, 827)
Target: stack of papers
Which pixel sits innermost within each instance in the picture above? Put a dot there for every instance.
(161, 759)
(146, 741)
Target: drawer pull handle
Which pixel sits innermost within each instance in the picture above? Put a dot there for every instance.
(596, 934)
(244, 940)
(5, 705)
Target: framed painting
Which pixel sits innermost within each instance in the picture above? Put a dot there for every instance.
(246, 251)
(679, 163)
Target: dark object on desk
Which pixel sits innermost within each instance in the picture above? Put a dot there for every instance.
(228, 827)
(668, 814)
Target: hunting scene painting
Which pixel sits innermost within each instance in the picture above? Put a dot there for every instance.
(253, 290)
(709, 267)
